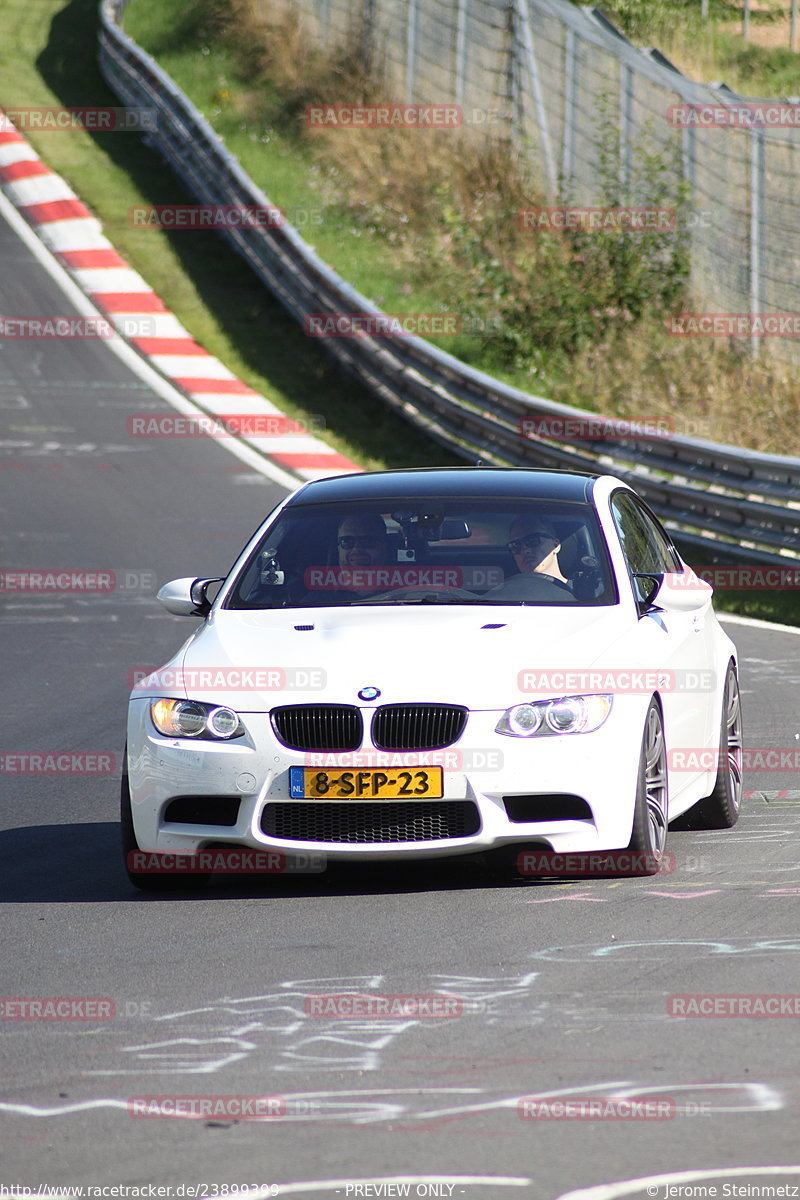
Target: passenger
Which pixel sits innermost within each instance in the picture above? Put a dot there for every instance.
(361, 542)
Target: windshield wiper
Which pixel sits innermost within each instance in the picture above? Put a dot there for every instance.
(430, 598)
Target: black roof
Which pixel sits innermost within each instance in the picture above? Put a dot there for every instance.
(485, 483)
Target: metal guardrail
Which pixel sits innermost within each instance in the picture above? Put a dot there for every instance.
(728, 504)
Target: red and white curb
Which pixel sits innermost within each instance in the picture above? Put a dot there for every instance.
(76, 238)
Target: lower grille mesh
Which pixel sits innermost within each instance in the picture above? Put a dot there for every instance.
(409, 821)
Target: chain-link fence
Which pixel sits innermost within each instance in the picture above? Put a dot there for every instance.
(554, 77)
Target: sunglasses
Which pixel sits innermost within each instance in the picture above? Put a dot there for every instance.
(529, 541)
(350, 541)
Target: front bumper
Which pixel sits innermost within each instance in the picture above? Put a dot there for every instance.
(481, 769)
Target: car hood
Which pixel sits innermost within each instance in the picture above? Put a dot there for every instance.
(253, 660)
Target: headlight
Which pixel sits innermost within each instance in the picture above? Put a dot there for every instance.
(190, 718)
(550, 718)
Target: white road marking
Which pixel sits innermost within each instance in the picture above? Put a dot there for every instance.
(754, 623)
(627, 1187)
(129, 356)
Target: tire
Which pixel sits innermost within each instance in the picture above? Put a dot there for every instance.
(720, 809)
(649, 834)
(146, 881)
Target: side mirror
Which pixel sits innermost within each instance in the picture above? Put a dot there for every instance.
(683, 591)
(188, 597)
(646, 589)
(676, 591)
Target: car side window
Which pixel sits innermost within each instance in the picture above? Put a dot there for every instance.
(646, 547)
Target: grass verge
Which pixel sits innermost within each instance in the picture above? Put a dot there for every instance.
(714, 48)
(48, 56)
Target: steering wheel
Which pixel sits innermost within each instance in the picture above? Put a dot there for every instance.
(409, 593)
(529, 587)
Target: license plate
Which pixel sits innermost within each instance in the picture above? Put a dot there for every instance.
(412, 783)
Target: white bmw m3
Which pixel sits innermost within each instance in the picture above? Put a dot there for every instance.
(428, 663)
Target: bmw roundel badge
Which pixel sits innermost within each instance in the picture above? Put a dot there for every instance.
(369, 693)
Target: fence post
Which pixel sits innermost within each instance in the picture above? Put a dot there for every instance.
(689, 154)
(757, 174)
(625, 121)
(572, 50)
(411, 49)
(368, 35)
(325, 21)
(461, 50)
(512, 76)
(793, 30)
(538, 99)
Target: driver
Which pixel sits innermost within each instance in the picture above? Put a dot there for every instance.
(535, 544)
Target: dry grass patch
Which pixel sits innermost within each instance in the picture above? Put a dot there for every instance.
(575, 316)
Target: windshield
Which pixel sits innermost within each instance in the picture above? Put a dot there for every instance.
(428, 552)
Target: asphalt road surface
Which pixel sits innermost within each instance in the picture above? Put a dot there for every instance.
(562, 988)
